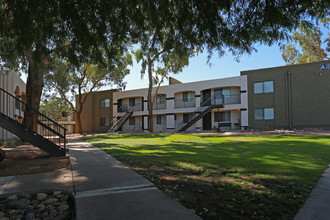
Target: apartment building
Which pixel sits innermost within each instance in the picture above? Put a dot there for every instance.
(294, 96)
(13, 84)
(97, 111)
(196, 106)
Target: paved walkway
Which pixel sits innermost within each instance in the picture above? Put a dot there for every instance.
(317, 205)
(103, 188)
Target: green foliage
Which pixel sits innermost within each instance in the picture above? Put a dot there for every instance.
(226, 177)
(308, 37)
(68, 80)
(55, 108)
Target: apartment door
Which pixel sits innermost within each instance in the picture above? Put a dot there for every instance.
(206, 95)
(119, 105)
(207, 121)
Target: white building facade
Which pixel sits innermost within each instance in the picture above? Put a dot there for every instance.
(176, 105)
(13, 84)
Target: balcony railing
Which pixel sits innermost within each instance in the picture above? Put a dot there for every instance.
(159, 106)
(227, 100)
(124, 108)
(180, 103)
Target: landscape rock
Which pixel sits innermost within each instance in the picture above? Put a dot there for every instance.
(19, 203)
(56, 193)
(13, 197)
(34, 202)
(25, 196)
(41, 196)
(64, 198)
(63, 208)
(51, 201)
(41, 208)
(53, 211)
(29, 216)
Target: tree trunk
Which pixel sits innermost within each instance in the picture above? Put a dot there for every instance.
(34, 87)
(150, 113)
(78, 120)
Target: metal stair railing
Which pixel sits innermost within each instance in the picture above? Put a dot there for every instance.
(12, 107)
(209, 103)
(117, 124)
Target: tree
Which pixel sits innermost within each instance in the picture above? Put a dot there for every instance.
(161, 60)
(34, 32)
(308, 37)
(173, 30)
(55, 108)
(71, 82)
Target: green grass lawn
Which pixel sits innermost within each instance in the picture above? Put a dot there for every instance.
(236, 177)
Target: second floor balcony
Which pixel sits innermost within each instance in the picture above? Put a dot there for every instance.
(159, 105)
(125, 108)
(185, 103)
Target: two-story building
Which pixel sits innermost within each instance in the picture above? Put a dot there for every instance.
(293, 96)
(177, 104)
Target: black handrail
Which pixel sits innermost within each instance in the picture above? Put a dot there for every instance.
(13, 107)
(209, 102)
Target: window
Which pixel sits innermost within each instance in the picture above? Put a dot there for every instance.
(268, 86)
(104, 122)
(131, 101)
(187, 96)
(269, 113)
(131, 121)
(259, 114)
(264, 114)
(187, 118)
(221, 116)
(64, 114)
(218, 93)
(105, 103)
(226, 93)
(160, 119)
(160, 99)
(264, 87)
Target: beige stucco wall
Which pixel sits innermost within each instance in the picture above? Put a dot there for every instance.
(92, 111)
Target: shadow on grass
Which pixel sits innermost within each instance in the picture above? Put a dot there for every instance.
(291, 158)
(240, 177)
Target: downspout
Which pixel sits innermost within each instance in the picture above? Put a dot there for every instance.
(289, 98)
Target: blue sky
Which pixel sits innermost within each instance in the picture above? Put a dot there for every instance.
(222, 67)
(226, 66)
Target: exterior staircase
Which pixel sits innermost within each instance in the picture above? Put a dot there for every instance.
(118, 123)
(204, 108)
(49, 135)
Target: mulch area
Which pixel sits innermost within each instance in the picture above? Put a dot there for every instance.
(28, 159)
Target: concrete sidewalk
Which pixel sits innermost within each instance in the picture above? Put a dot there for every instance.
(317, 205)
(103, 188)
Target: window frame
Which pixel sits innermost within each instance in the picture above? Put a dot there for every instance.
(188, 97)
(104, 103)
(104, 122)
(263, 111)
(187, 117)
(131, 102)
(131, 121)
(160, 119)
(222, 116)
(262, 87)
